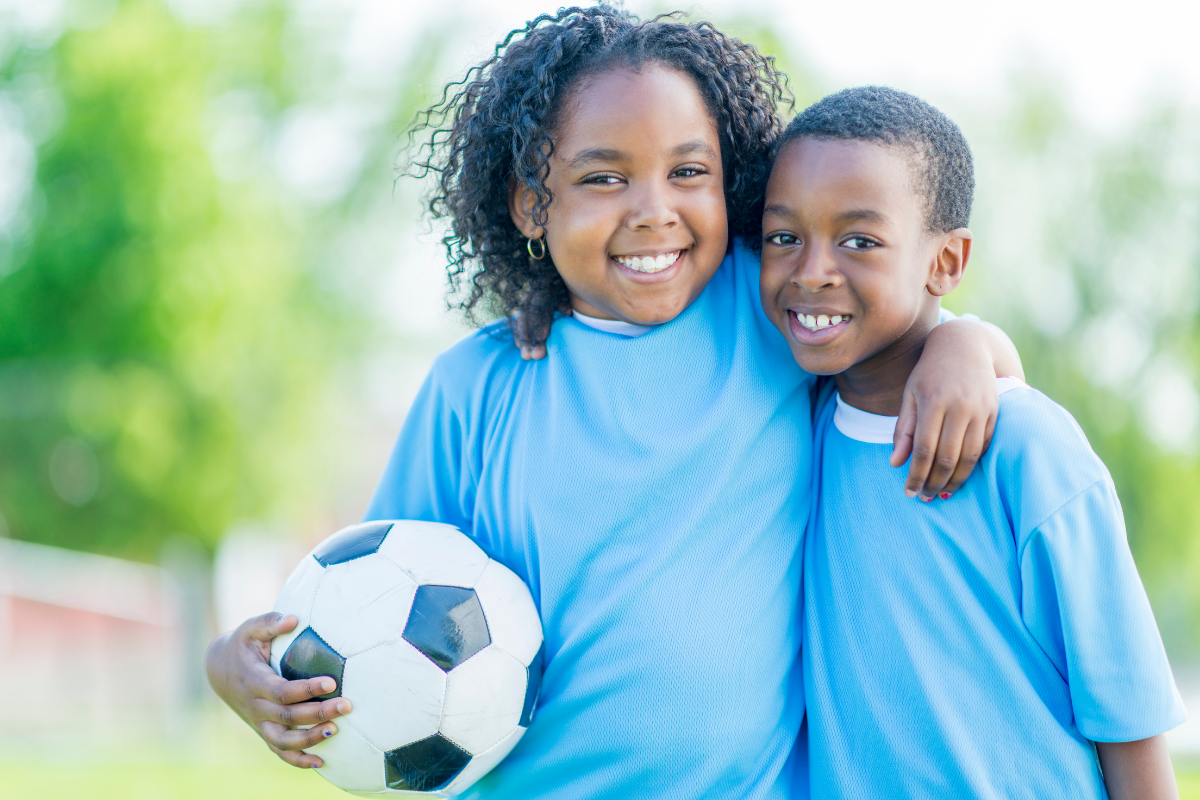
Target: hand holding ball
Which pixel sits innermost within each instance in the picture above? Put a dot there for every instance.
(438, 647)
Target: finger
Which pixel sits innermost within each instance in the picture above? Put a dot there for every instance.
(299, 759)
(990, 429)
(537, 352)
(949, 450)
(266, 627)
(906, 424)
(283, 738)
(972, 449)
(299, 714)
(924, 449)
(287, 693)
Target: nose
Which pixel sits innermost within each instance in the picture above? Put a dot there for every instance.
(817, 270)
(652, 208)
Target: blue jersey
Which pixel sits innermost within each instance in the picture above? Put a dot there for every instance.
(974, 647)
(651, 491)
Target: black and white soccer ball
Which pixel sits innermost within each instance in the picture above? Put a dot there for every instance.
(438, 647)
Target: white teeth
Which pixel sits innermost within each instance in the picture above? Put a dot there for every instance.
(649, 264)
(821, 321)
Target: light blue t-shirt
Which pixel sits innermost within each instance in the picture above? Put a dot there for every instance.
(972, 647)
(651, 491)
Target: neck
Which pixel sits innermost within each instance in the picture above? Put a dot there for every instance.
(876, 384)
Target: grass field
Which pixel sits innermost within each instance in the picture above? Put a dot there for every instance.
(224, 762)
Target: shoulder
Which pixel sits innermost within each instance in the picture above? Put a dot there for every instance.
(477, 364)
(1042, 458)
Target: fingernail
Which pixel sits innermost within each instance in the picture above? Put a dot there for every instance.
(926, 499)
(944, 495)
(327, 687)
(909, 493)
(343, 708)
(327, 733)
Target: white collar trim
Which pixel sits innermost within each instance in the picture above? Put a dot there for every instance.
(618, 326)
(876, 429)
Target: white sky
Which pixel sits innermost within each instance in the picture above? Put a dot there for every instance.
(1111, 54)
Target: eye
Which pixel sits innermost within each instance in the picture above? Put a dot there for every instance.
(602, 179)
(690, 171)
(782, 239)
(859, 243)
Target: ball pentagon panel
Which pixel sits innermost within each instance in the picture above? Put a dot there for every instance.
(310, 656)
(447, 625)
(397, 694)
(353, 542)
(433, 553)
(425, 766)
(533, 688)
(362, 603)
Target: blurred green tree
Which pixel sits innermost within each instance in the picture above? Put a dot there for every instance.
(166, 343)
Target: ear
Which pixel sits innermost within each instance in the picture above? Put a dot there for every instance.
(520, 207)
(950, 262)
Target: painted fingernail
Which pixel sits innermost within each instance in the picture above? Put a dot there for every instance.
(944, 495)
(926, 499)
(909, 493)
(327, 733)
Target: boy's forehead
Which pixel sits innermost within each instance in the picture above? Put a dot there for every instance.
(826, 170)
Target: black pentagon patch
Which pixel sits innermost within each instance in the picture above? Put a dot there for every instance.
(309, 656)
(351, 543)
(424, 766)
(447, 624)
(533, 688)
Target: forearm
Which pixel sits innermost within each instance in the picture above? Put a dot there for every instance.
(957, 334)
(1138, 770)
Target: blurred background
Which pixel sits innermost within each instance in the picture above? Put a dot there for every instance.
(217, 301)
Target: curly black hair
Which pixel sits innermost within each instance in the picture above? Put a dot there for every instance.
(944, 166)
(493, 129)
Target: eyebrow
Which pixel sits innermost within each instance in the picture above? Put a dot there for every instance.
(778, 209)
(860, 215)
(609, 154)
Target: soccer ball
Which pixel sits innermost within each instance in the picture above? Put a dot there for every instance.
(438, 647)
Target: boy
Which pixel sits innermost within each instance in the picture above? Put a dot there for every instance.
(978, 645)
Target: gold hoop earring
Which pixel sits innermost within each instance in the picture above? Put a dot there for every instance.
(541, 241)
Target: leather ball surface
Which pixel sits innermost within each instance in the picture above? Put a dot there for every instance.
(438, 647)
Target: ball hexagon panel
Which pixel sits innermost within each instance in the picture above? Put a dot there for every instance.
(447, 625)
(362, 603)
(424, 766)
(533, 686)
(431, 552)
(351, 762)
(296, 598)
(483, 700)
(353, 542)
(405, 691)
(310, 656)
(483, 763)
(511, 615)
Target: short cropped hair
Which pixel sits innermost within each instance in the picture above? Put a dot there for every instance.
(944, 168)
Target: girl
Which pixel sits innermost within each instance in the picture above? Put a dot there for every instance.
(649, 479)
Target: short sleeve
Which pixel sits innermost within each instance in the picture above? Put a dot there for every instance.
(428, 476)
(1083, 602)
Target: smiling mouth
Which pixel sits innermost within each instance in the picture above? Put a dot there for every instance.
(649, 265)
(820, 322)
